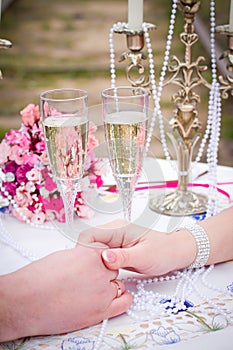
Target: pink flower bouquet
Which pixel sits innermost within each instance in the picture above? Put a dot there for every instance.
(26, 180)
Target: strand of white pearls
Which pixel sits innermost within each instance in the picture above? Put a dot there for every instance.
(157, 94)
(112, 52)
(183, 287)
(7, 238)
(150, 302)
(215, 109)
(212, 155)
(99, 340)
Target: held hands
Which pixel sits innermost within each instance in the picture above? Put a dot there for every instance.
(73, 289)
(140, 249)
(65, 291)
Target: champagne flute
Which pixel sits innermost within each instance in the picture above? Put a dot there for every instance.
(65, 120)
(125, 115)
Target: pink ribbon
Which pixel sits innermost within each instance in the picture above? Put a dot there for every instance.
(174, 184)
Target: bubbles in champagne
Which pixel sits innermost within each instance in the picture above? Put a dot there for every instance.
(126, 138)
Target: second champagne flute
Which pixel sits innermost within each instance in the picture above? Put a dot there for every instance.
(65, 119)
(125, 114)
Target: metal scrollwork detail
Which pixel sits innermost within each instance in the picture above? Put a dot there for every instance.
(226, 86)
(187, 76)
(135, 70)
(135, 64)
(226, 82)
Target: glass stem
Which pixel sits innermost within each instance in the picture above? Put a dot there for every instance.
(126, 197)
(68, 190)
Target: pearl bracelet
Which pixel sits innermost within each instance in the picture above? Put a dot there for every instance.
(203, 245)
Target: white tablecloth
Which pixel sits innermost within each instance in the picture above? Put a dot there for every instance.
(27, 242)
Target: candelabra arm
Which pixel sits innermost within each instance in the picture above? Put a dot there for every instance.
(226, 82)
(135, 70)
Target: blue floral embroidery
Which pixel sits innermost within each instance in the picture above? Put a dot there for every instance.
(199, 217)
(176, 305)
(164, 336)
(230, 287)
(77, 343)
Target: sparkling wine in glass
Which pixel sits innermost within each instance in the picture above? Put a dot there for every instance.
(125, 115)
(65, 120)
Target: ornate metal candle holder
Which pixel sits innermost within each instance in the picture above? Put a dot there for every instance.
(186, 126)
(135, 44)
(185, 123)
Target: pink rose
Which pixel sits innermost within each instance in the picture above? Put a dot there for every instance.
(5, 151)
(40, 146)
(49, 184)
(22, 197)
(17, 154)
(55, 203)
(31, 159)
(21, 173)
(18, 137)
(30, 114)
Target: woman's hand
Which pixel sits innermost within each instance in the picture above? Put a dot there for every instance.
(140, 249)
(65, 291)
(156, 253)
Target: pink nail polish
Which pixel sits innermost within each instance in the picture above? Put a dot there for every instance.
(109, 256)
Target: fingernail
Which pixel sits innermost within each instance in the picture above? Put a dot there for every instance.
(109, 256)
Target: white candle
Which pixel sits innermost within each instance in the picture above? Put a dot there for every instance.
(231, 17)
(135, 14)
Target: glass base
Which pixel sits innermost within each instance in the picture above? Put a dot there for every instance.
(179, 203)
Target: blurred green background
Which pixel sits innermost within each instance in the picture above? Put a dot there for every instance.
(65, 44)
